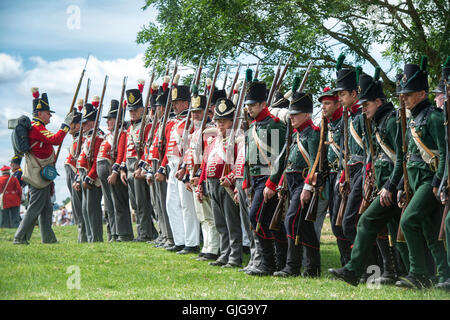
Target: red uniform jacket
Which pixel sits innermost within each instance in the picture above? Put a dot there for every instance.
(13, 192)
(42, 140)
(82, 161)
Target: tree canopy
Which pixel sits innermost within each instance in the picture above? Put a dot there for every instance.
(400, 30)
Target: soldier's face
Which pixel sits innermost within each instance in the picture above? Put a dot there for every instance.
(197, 115)
(439, 100)
(298, 119)
(371, 107)
(223, 125)
(110, 122)
(329, 107)
(179, 106)
(347, 98)
(45, 116)
(412, 99)
(136, 114)
(74, 127)
(255, 109)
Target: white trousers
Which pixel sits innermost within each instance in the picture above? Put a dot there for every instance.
(181, 210)
(211, 240)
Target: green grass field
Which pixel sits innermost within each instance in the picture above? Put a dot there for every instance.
(139, 271)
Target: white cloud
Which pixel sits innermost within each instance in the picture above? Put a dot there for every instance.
(10, 67)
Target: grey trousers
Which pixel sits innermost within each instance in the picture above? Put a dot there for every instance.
(144, 209)
(158, 191)
(40, 207)
(10, 217)
(103, 172)
(122, 213)
(255, 256)
(92, 211)
(228, 223)
(77, 198)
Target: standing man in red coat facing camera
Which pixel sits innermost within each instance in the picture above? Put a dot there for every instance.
(42, 153)
(11, 193)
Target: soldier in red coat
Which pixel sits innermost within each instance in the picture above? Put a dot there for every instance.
(11, 192)
(87, 179)
(41, 150)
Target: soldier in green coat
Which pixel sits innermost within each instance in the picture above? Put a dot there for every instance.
(387, 162)
(301, 156)
(426, 157)
(266, 136)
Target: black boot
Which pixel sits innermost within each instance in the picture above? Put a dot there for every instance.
(414, 281)
(293, 260)
(312, 267)
(267, 266)
(345, 275)
(344, 250)
(280, 254)
(389, 275)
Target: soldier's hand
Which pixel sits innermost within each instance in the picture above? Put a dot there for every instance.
(194, 181)
(224, 182)
(149, 179)
(69, 118)
(180, 174)
(76, 186)
(123, 177)
(236, 198)
(435, 191)
(385, 198)
(268, 194)
(160, 177)
(112, 179)
(400, 199)
(87, 186)
(305, 197)
(188, 186)
(200, 193)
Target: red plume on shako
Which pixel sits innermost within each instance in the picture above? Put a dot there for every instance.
(95, 101)
(141, 84)
(165, 84)
(80, 103)
(35, 92)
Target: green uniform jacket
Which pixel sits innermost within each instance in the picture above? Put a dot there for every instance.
(429, 124)
(271, 133)
(356, 119)
(335, 132)
(388, 165)
(308, 137)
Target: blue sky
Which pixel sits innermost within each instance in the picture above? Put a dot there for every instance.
(41, 46)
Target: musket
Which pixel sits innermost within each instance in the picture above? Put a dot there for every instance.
(91, 149)
(279, 213)
(283, 73)
(233, 84)
(226, 77)
(368, 185)
(117, 126)
(205, 114)
(156, 119)
(229, 155)
(274, 83)
(80, 135)
(187, 127)
(162, 137)
(74, 100)
(322, 172)
(446, 190)
(400, 235)
(140, 142)
(346, 187)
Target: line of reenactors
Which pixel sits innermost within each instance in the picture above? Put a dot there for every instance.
(219, 182)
